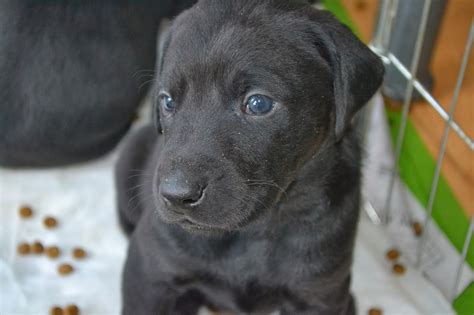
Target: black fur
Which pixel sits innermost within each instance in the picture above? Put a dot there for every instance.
(71, 73)
(274, 227)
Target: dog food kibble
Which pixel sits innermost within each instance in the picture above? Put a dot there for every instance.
(37, 248)
(50, 222)
(56, 310)
(53, 252)
(375, 311)
(72, 310)
(79, 253)
(24, 248)
(393, 254)
(399, 269)
(26, 212)
(417, 228)
(65, 269)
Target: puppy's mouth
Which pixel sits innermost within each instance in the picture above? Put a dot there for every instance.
(192, 226)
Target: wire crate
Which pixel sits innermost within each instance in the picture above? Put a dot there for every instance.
(413, 85)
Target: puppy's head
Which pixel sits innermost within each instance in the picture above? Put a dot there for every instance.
(248, 92)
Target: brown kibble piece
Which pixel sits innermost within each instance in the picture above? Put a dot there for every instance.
(65, 269)
(53, 252)
(375, 311)
(417, 228)
(79, 253)
(50, 222)
(56, 310)
(393, 254)
(24, 248)
(399, 269)
(72, 310)
(37, 248)
(26, 212)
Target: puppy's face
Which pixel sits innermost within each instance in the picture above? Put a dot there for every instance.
(246, 96)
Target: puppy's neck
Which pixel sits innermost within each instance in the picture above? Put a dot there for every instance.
(321, 185)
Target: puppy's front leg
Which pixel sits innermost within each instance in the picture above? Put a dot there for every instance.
(330, 298)
(143, 293)
(346, 307)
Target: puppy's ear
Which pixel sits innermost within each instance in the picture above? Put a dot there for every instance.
(357, 72)
(177, 6)
(162, 47)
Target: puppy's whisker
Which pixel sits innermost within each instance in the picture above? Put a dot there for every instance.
(261, 181)
(229, 193)
(143, 197)
(142, 71)
(253, 198)
(145, 83)
(138, 171)
(136, 187)
(146, 75)
(268, 184)
(131, 205)
(139, 193)
(144, 175)
(133, 176)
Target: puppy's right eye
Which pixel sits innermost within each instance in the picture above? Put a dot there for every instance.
(259, 104)
(167, 103)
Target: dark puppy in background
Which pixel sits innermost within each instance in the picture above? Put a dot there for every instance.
(246, 195)
(70, 75)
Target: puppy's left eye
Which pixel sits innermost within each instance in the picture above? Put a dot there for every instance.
(259, 104)
(167, 103)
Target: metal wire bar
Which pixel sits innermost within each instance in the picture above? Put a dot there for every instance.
(371, 212)
(407, 102)
(444, 141)
(465, 248)
(430, 99)
(381, 39)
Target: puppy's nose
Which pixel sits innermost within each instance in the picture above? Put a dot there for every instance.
(180, 191)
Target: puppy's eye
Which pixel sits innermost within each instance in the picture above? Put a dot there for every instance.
(167, 103)
(259, 104)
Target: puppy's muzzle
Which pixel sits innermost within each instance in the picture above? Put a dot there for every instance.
(181, 192)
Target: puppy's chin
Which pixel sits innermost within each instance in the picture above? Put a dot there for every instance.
(190, 226)
(201, 229)
(172, 217)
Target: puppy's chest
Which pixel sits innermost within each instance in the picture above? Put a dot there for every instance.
(269, 261)
(245, 259)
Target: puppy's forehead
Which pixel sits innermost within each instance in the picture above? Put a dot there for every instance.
(256, 42)
(226, 45)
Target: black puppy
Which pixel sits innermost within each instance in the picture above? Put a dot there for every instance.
(249, 198)
(70, 75)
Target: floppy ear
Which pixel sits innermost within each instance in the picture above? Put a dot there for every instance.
(178, 6)
(162, 47)
(357, 72)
